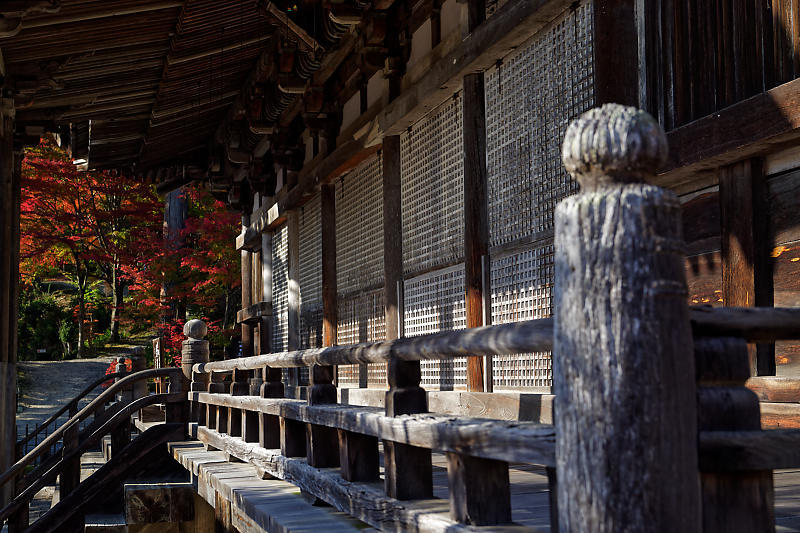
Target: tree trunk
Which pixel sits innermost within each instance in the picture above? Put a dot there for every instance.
(227, 309)
(81, 311)
(116, 303)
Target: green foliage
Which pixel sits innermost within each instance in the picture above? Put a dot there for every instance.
(45, 322)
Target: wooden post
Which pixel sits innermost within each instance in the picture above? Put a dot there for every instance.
(120, 437)
(293, 438)
(293, 315)
(476, 218)
(195, 350)
(9, 288)
(746, 267)
(738, 502)
(480, 491)
(626, 426)
(240, 385)
(322, 442)
(70, 475)
(408, 473)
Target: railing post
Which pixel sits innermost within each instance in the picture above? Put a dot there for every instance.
(743, 502)
(626, 419)
(70, 475)
(215, 386)
(322, 442)
(269, 427)
(195, 350)
(408, 473)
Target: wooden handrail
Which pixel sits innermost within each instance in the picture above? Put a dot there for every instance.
(101, 400)
(504, 339)
(84, 445)
(763, 324)
(52, 418)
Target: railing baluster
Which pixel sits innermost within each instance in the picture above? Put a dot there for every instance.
(732, 501)
(269, 427)
(195, 350)
(322, 445)
(70, 474)
(408, 472)
(480, 492)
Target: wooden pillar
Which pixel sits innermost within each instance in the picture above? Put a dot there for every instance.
(476, 219)
(9, 288)
(746, 266)
(408, 471)
(329, 303)
(743, 502)
(616, 52)
(293, 319)
(240, 385)
(622, 336)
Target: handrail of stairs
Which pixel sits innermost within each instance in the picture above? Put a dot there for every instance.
(100, 401)
(119, 417)
(72, 405)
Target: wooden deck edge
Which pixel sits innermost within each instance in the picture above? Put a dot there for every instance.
(365, 501)
(256, 505)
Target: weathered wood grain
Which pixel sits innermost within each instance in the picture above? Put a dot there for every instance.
(523, 442)
(622, 373)
(775, 389)
(480, 492)
(254, 313)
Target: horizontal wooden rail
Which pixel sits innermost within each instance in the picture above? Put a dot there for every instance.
(85, 444)
(505, 339)
(84, 413)
(754, 324)
(729, 451)
(52, 418)
(522, 442)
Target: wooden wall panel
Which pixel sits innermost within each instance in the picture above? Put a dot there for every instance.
(700, 56)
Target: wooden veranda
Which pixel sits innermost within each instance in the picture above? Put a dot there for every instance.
(397, 165)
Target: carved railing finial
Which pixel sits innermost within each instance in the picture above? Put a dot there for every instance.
(195, 329)
(613, 144)
(195, 350)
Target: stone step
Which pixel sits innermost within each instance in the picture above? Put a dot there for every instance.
(105, 523)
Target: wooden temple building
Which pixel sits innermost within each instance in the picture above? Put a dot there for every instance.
(397, 165)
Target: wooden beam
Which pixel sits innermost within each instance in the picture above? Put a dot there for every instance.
(755, 126)
(392, 236)
(293, 312)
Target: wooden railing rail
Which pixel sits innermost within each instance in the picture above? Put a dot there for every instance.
(98, 403)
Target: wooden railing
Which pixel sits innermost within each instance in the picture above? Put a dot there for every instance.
(114, 421)
(654, 428)
(51, 423)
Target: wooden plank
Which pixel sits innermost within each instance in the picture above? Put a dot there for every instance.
(780, 415)
(510, 441)
(365, 501)
(476, 216)
(775, 389)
